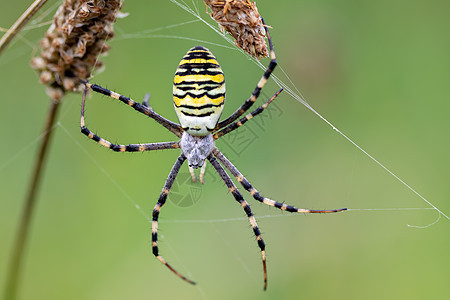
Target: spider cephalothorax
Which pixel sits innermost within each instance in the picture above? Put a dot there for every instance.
(199, 94)
(196, 148)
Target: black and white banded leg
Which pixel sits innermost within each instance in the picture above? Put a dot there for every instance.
(249, 102)
(247, 185)
(161, 201)
(248, 117)
(122, 148)
(238, 196)
(142, 108)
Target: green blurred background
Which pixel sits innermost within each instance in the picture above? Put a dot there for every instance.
(378, 70)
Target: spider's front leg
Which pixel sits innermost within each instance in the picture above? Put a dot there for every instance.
(169, 125)
(261, 83)
(247, 185)
(237, 124)
(121, 148)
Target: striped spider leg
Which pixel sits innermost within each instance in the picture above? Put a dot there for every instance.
(240, 178)
(238, 196)
(115, 147)
(246, 184)
(249, 102)
(162, 199)
(140, 148)
(249, 188)
(198, 98)
(142, 108)
(237, 124)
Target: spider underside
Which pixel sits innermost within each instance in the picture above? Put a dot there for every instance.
(199, 93)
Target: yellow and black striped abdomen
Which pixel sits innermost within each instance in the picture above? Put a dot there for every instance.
(199, 91)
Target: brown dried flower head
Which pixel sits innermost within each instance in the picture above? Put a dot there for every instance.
(73, 42)
(241, 19)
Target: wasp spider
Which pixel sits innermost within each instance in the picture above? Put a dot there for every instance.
(198, 96)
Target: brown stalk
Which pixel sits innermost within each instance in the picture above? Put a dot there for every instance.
(69, 53)
(12, 278)
(21, 21)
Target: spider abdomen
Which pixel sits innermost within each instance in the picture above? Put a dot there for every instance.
(199, 91)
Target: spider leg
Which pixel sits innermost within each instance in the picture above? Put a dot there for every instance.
(241, 122)
(247, 185)
(122, 148)
(238, 196)
(169, 125)
(249, 102)
(161, 201)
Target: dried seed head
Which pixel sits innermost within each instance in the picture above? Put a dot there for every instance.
(73, 42)
(241, 19)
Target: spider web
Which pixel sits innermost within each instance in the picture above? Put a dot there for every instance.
(295, 93)
(282, 80)
(287, 84)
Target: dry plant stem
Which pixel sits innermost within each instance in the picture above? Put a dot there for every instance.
(13, 275)
(70, 49)
(18, 25)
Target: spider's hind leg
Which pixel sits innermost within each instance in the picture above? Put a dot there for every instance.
(161, 201)
(238, 196)
(247, 185)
